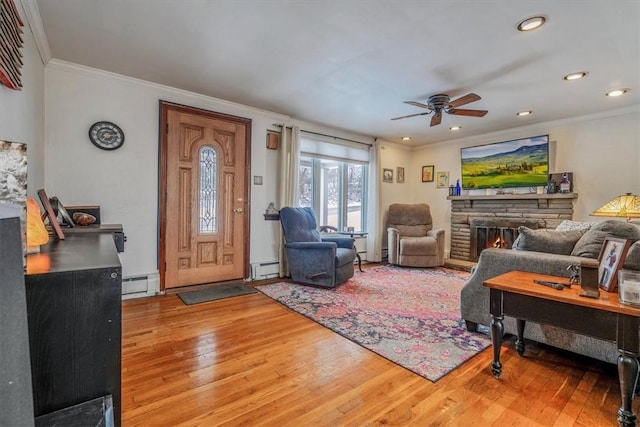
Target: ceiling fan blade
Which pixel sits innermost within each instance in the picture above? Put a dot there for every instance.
(411, 115)
(470, 97)
(464, 112)
(436, 119)
(418, 104)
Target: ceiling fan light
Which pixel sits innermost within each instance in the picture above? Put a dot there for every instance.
(524, 113)
(406, 138)
(455, 128)
(617, 92)
(531, 23)
(575, 76)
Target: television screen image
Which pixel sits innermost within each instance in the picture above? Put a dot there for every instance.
(518, 163)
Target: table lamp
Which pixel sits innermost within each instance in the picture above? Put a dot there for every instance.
(625, 205)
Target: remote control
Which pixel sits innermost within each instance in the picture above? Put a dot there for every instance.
(554, 285)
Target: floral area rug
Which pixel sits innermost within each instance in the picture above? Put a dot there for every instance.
(409, 316)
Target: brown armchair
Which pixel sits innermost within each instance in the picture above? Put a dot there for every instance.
(412, 240)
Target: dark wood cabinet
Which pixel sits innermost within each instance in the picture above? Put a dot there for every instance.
(74, 289)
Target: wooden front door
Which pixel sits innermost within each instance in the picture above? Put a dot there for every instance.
(204, 163)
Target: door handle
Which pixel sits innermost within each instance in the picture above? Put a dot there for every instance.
(238, 210)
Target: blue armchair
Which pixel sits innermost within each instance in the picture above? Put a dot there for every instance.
(326, 262)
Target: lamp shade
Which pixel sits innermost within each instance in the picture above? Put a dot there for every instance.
(36, 232)
(625, 205)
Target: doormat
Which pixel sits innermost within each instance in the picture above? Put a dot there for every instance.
(215, 293)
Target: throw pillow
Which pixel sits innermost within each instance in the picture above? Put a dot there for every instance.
(544, 240)
(568, 225)
(591, 242)
(633, 257)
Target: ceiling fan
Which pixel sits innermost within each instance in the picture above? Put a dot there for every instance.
(438, 103)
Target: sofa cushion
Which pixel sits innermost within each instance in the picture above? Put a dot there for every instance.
(544, 240)
(590, 243)
(419, 246)
(633, 257)
(413, 214)
(568, 225)
(299, 225)
(412, 230)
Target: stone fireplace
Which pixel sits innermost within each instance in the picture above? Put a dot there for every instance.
(495, 219)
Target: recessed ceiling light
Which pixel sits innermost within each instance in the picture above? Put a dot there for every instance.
(617, 92)
(531, 23)
(575, 76)
(455, 127)
(524, 113)
(406, 138)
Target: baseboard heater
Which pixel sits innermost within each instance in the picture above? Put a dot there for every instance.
(140, 286)
(265, 270)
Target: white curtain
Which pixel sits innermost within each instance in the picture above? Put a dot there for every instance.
(288, 181)
(374, 224)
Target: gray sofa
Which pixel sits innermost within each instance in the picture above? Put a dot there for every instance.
(547, 252)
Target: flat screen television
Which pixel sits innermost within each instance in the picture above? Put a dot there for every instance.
(517, 163)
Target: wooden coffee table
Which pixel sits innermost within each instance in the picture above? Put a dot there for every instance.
(515, 294)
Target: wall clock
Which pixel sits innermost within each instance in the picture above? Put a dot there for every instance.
(106, 135)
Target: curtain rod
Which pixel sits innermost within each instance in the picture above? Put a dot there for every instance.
(324, 134)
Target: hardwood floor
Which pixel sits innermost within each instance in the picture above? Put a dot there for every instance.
(250, 361)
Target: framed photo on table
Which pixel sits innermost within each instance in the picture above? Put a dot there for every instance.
(48, 211)
(611, 259)
(427, 173)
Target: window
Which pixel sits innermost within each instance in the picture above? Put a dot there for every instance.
(335, 188)
(208, 195)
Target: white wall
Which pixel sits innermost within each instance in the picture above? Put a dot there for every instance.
(602, 151)
(124, 182)
(393, 155)
(22, 111)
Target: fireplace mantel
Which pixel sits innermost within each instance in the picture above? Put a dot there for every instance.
(525, 196)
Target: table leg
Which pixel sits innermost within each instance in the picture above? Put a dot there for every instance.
(359, 262)
(497, 331)
(520, 339)
(627, 375)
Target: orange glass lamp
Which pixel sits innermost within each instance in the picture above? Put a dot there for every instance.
(625, 205)
(37, 234)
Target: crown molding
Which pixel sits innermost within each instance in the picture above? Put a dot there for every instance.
(542, 127)
(32, 15)
(58, 64)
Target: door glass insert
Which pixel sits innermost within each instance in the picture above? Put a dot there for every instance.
(208, 190)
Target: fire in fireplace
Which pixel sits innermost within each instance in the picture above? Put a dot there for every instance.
(495, 233)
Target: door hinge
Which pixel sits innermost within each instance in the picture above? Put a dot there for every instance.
(167, 128)
(165, 266)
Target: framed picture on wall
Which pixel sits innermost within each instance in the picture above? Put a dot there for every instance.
(387, 175)
(442, 180)
(400, 175)
(427, 173)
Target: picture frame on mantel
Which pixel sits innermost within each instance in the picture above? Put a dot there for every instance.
(427, 173)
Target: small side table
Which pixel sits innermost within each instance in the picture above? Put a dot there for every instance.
(353, 234)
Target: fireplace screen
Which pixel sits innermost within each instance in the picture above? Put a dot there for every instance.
(495, 235)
